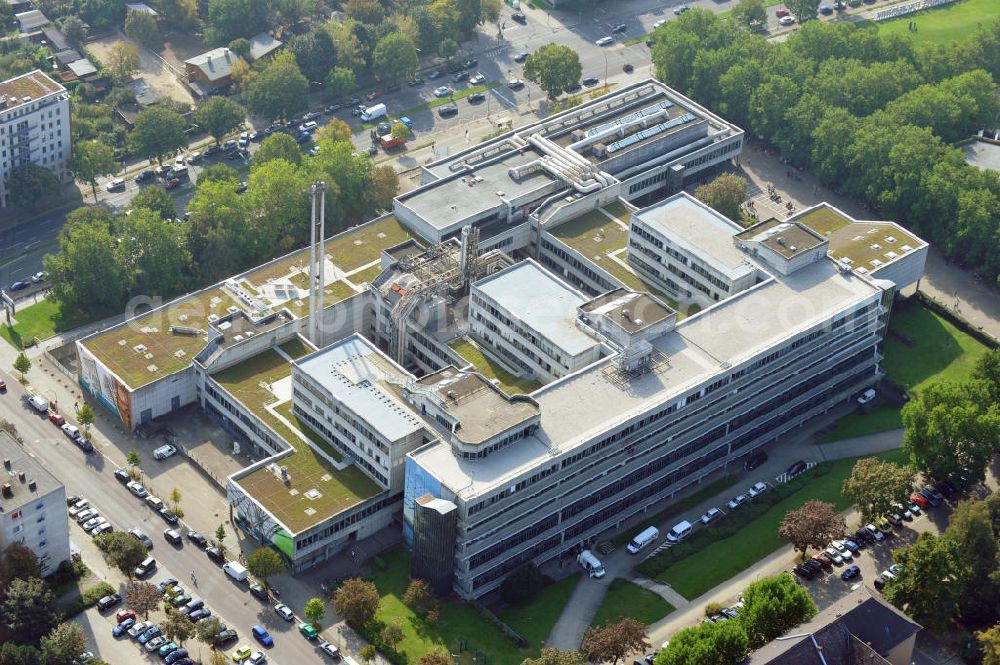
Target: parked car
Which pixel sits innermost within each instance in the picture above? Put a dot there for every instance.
(172, 536)
(875, 532)
(173, 183)
(146, 540)
(284, 612)
(116, 185)
(329, 650)
(850, 573)
(262, 636)
(200, 614)
(308, 631)
(448, 110)
(84, 444)
(145, 176)
(711, 515)
(121, 475)
(477, 97)
(477, 78)
(177, 655)
(109, 601)
(137, 490)
(258, 591)
(920, 501)
(605, 41)
(415, 81)
(823, 559)
(72, 431)
(442, 91)
(754, 459)
(180, 600)
(845, 552)
(167, 649)
(796, 468)
(225, 635)
(56, 419)
(163, 452)
(628, 68)
(834, 555)
(515, 84)
(139, 628)
(121, 615)
(519, 17)
(241, 653)
(590, 81)
(786, 20)
(460, 76)
(78, 507)
(215, 554)
(163, 585)
(123, 627)
(521, 57)
(197, 539)
(680, 10)
(737, 501)
(756, 490)
(154, 643)
(168, 515)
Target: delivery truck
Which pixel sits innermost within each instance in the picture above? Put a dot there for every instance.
(374, 112)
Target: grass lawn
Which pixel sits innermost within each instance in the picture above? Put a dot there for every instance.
(937, 350)
(626, 599)
(534, 620)
(41, 320)
(693, 576)
(509, 383)
(880, 419)
(458, 621)
(946, 24)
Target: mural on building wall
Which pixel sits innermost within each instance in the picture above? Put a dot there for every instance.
(257, 522)
(103, 385)
(418, 483)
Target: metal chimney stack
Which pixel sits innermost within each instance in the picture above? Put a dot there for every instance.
(317, 258)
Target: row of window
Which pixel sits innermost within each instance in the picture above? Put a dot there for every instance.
(348, 520)
(646, 182)
(714, 155)
(348, 451)
(577, 265)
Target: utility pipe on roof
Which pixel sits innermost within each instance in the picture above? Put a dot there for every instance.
(619, 129)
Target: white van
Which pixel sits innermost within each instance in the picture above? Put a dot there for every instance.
(680, 531)
(590, 563)
(647, 536)
(39, 403)
(180, 171)
(235, 570)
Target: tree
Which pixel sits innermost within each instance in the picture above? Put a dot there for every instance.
(175, 498)
(750, 14)
(219, 116)
(278, 213)
(925, 587)
(85, 277)
(29, 609)
(356, 600)
(64, 643)
(803, 10)
(280, 91)
(122, 62)
(395, 58)
(773, 605)
(158, 133)
(122, 550)
(365, 11)
(392, 634)
(278, 146)
(815, 524)
(153, 254)
(876, 486)
(437, 658)
(133, 459)
(242, 74)
(723, 643)
(220, 536)
(614, 641)
(219, 658)
(551, 656)
(264, 563)
(314, 53)
(22, 365)
(74, 29)
(367, 653)
(91, 160)
(177, 628)
(207, 629)
(292, 12)
(30, 182)
(447, 48)
(142, 27)
(229, 19)
(335, 130)
(523, 584)
(340, 82)
(975, 546)
(949, 427)
(17, 562)
(314, 610)
(725, 194)
(85, 416)
(989, 643)
(143, 597)
(555, 68)
(418, 596)
(987, 369)
(240, 46)
(220, 173)
(155, 199)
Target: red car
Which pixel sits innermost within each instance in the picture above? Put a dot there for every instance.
(920, 501)
(373, 95)
(173, 183)
(782, 12)
(56, 419)
(124, 614)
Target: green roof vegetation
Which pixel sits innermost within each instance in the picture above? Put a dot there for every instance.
(295, 348)
(824, 220)
(249, 381)
(163, 352)
(366, 275)
(285, 409)
(509, 383)
(334, 292)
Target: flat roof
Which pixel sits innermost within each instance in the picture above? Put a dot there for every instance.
(262, 384)
(31, 19)
(861, 244)
(788, 238)
(278, 284)
(493, 370)
(447, 202)
(583, 405)
(35, 85)
(541, 301)
(630, 310)
(34, 470)
(699, 230)
(481, 409)
(353, 372)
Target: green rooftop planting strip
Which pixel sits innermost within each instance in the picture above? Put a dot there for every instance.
(509, 383)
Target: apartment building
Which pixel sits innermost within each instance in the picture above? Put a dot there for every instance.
(34, 126)
(32, 506)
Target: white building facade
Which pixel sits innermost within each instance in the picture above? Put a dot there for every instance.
(34, 127)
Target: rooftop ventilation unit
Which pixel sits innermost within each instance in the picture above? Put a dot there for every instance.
(185, 330)
(6, 464)
(32, 486)
(8, 491)
(20, 476)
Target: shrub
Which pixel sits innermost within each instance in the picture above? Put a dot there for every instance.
(87, 600)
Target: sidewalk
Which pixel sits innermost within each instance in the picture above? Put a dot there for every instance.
(586, 599)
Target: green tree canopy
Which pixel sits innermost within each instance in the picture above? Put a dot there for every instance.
(314, 610)
(726, 193)
(30, 182)
(555, 68)
(772, 606)
(925, 587)
(395, 58)
(875, 486)
(356, 600)
(142, 27)
(723, 643)
(29, 609)
(278, 199)
(17, 561)
(314, 53)
(122, 62)
(155, 199)
(340, 82)
(240, 46)
(153, 254)
(219, 116)
(122, 550)
(158, 133)
(264, 563)
(90, 161)
(277, 146)
(750, 14)
(280, 91)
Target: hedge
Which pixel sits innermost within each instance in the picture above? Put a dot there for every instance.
(87, 600)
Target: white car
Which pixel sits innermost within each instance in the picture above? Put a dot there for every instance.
(659, 24)
(680, 10)
(39, 276)
(876, 534)
(442, 91)
(92, 522)
(85, 515)
(786, 20)
(258, 658)
(605, 41)
(71, 431)
(116, 185)
(137, 489)
(330, 650)
(888, 574)
(139, 628)
(845, 553)
(477, 79)
(103, 527)
(835, 555)
(711, 515)
(756, 490)
(79, 506)
(163, 452)
(866, 396)
(284, 612)
(737, 501)
(84, 658)
(179, 161)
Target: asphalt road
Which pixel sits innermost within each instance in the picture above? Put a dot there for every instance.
(91, 476)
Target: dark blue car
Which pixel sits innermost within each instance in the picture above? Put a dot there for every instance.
(123, 627)
(850, 573)
(262, 636)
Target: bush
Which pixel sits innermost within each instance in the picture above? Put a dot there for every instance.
(372, 633)
(87, 600)
(728, 526)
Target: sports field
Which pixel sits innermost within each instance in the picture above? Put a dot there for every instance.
(946, 24)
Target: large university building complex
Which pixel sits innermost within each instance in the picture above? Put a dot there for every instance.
(544, 341)
(34, 126)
